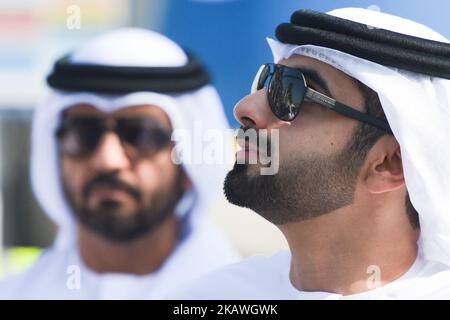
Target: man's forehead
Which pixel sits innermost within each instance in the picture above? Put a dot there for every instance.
(145, 110)
(301, 61)
(322, 73)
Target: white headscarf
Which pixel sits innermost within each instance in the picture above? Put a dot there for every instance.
(417, 107)
(128, 47)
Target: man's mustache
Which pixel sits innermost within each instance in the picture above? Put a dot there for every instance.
(111, 180)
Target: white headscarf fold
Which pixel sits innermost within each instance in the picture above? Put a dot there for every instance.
(418, 110)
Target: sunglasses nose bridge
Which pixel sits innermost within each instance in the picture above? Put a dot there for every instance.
(110, 153)
(109, 124)
(108, 129)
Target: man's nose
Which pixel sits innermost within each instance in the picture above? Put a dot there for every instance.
(254, 111)
(110, 154)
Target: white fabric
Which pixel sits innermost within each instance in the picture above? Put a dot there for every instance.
(142, 48)
(53, 276)
(203, 247)
(267, 278)
(418, 110)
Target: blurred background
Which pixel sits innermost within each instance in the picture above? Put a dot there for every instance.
(229, 36)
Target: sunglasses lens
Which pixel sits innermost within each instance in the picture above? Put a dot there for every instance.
(79, 136)
(142, 136)
(260, 79)
(286, 93)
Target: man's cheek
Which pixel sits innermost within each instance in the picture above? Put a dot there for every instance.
(74, 185)
(149, 173)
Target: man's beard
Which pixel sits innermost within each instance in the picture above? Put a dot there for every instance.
(303, 188)
(108, 221)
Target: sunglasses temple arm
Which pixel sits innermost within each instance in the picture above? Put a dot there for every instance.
(346, 110)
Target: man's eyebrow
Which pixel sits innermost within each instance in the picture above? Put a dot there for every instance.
(317, 78)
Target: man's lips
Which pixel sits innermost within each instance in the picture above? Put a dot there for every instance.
(247, 145)
(249, 150)
(109, 192)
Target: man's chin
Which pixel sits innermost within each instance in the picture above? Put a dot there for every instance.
(236, 185)
(114, 225)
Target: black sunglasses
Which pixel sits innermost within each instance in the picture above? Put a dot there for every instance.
(79, 136)
(287, 89)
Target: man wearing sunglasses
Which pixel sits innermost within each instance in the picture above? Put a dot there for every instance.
(362, 202)
(132, 219)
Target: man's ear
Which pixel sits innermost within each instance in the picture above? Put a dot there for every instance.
(385, 172)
